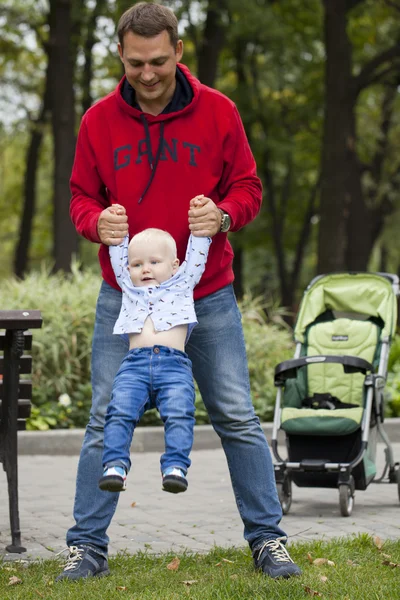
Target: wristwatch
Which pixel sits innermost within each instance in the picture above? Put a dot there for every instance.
(225, 221)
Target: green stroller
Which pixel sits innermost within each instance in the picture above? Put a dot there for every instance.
(330, 401)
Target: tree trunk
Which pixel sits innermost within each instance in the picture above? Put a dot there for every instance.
(32, 161)
(338, 141)
(238, 270)
(304, 237)
(358, 246)
(89, 42)
(63, 125)
(212, 43)
(367, 221)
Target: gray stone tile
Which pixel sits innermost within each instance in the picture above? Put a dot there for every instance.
(204, 517)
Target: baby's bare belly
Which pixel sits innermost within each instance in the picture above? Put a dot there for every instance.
(173, 338)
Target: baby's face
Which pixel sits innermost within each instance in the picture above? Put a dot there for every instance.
(151, 264)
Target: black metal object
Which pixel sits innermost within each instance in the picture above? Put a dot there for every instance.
(323, 461)
(288, 368)
(12, 364)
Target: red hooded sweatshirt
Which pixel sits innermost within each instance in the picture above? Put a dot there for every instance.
(154, 165)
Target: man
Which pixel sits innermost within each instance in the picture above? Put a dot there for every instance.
(160, 139)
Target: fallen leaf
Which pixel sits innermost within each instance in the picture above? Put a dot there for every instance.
(14, 580)
(190, 581)
(133, 504)
(323, 578)
(121, 588)
(378, 542)
(388, 563)
(386, 555)
(309, 558)
(352, 563)
(234, 576)
(323, 561)
(9, 569)
(308, 590)
(225, 560)
(174, 564)
(39, 594)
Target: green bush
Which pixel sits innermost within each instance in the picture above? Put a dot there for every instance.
(267, 344)
(61, 348)
(392, 392)
(392, 389)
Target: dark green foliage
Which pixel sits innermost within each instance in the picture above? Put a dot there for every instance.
(62, 348)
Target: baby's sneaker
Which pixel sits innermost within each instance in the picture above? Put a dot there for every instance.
(113, 480)
(174, 480)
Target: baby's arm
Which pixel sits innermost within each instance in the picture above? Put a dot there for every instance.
(197, 249)
(119, 258)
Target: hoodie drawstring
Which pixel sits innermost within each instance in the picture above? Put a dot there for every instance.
(153, 162)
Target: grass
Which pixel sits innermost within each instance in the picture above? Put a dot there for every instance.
(361, 571)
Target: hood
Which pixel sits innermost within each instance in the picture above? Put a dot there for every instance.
(189, 89)
(138, 114)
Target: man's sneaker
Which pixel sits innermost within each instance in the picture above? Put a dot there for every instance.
(113, 480)
(174, 480)
(84, 562)
(273, 560)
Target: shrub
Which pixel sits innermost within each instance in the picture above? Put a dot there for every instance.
(392, 392)
(267, 344)
(62, 347)
(392, 389)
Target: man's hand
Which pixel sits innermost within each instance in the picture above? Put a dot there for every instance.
(204, 217)
(112, 225)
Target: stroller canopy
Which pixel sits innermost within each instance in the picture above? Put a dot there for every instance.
(366, 294)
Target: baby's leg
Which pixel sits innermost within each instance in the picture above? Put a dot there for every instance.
(175, 402)
(129, 400)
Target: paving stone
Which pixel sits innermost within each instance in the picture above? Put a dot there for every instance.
(204, 517)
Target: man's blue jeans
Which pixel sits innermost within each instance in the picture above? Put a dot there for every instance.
(157, 377)
(217, 351)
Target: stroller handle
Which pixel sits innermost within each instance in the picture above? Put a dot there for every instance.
(288, 368)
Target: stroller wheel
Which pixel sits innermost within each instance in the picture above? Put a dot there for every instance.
(346, 500)
(285, 494)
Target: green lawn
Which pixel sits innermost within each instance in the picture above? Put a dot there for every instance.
(360, 569)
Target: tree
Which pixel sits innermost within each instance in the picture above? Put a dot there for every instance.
(30, 182)
(36, 132)
(63, 127)
(59, 48)
(26, 65)
(272, 80)
(350, 218)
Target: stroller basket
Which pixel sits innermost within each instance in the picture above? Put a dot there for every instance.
(330, 402)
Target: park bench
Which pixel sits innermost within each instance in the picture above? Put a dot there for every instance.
(15, 400)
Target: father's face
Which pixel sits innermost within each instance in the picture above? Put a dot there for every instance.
(150, 66)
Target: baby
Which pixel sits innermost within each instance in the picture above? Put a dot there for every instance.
(158, 314)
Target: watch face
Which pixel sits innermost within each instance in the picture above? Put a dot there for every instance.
(226, 222)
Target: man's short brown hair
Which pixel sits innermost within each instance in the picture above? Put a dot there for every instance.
(148, 19)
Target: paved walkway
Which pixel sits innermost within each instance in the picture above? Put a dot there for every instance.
(204, 516)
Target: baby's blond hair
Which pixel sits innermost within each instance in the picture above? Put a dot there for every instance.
(152, 234)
